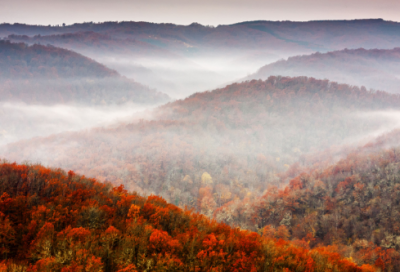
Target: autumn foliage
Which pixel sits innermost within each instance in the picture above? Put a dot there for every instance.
(351, 206)
(246, 156)
(53, 221)
(217, 147)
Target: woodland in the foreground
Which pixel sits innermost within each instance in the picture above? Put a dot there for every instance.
(271, 174)
(353, 204)
(53, 221)
(201, 153)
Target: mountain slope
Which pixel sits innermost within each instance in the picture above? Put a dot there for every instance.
(375, 68)
(214, 147)
(53, 221)
(40, 74)
(186, 55)
(37, 61)
(352, 203)
(170, 72)
(325, 35)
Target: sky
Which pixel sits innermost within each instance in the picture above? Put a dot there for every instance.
(206, 12)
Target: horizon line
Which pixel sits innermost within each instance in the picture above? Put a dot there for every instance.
(196, 23)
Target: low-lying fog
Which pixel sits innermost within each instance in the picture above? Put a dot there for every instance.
(374, 124)
(389, 119)
(180, 78)
(20, 121)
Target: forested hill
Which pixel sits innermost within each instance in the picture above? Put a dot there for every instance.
(353, 203)
(18, 60)
(53, 221)
(94, 42)
(376, 68)
(48, 75)
(322, 35)
(177, 58)
(219, 146)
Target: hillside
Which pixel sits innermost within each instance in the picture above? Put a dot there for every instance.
(376, 68)
(185, 55)
(53, 221)
(324, 35)
(149, 63)
(40, 74)
(20, 61)
(219, 146)
(352, 203)
(93, 42)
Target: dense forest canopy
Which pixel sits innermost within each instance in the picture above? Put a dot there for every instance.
(294, 169)
(53, 221)
(219, 146)
(353, 203)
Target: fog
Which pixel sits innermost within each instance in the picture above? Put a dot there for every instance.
(389, 119)
(20, 121)
(247, 133)
(285, 129)
(174, 68)
(181, 77)
(375, 69)
(174, 78)
(246, 136)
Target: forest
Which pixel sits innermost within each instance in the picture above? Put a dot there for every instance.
(180, 60)
(373, 33)
(203, 152)
(352, 203)
(49, 75)
(57, 221)
(138, 146)
(47, 89)
(21, 61)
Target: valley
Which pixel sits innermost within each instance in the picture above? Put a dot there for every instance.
(254, 146)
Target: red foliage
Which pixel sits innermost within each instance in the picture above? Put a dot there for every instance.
(77, 224)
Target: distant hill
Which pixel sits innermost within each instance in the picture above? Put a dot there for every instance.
(313, 35)
(149, 63)
(214, 147)
(54, 221)
(18, 60)
(376, 68)
(90, 42)
(185, 55)
(40, 74)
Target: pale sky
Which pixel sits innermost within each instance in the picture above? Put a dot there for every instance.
(206, 12)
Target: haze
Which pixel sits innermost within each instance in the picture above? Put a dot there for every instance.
(27, 121)
(126, 125)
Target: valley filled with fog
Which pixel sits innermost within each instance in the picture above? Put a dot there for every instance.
(288, 130)
(84, 77)
(21, 121)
